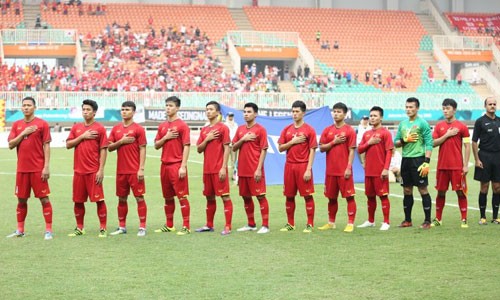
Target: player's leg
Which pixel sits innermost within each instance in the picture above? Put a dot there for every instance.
(80, 195)
(289, 191)
(47, 215)
(386, 209)
(209, 193)
(495, 201)
(181, 187)
(22, 191)
(409, 178)
(407, 206)
(138, 188)
(310, 209)
(371, 202)
(426, 205)
(306, 190)
(331, 192)
(42, 191)
(122, 192)
(348, 192)
(246, 195)
(264, 211)
(482, 201)
(97, 196)
(228, 213)
(462, 204)
(440, 202)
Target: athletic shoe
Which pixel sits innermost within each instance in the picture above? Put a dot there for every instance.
(205, 229)
(327, 226)
(495, 221)
(464, 224)
(436, 223)
(16, 233)
(288, 227)
(164, 228)
(119, 230)
(366, 224)
(48, 236)
(184, 230)
(405, 224)
(349, 228)
(426, 225)
(385, 226)
(247, 228)
(483, 221)
(141, 232)
(77, 232)
(226, 231)
(263, 229)
(103, 233)
(308, 229)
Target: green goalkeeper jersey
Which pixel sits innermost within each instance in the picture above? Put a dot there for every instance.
(424, 142)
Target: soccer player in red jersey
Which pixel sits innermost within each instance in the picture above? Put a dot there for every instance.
(214, 144)
(31, 138)
(299, 141)
(174, 138)
(452, 166)
(251, 141)
(339, 142)
(129, 139)
(378, 146)
(90, 142)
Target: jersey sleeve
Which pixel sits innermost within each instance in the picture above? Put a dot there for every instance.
(141, 138)
(477, 131)
(158, 133)
(46, 137)
(398, 133)
(201, 137)
(236, 136)
(71, 135)
(13, 132)
(351, 138)
(112, 137)
(324, 137)
(226, 139)
(313, 142)
(435, 132)
(282, 139)
(104, 138)
(186, 135)
(427, 136)
(389, 145)
(263, 139)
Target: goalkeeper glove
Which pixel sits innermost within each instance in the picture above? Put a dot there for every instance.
(411, 138)
(423, 169)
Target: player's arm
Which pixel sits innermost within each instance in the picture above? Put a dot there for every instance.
(466, 142)
(398, 142)
(350, 159)
(18, 139)
(185, 157)
(428, 141)
(46, 161)
(142, 162)
(258, 172)
(475, 138)
(237, 145)
(171, 134)
(103, 154)
(308, 173)
(363, 145)
(225, 158)
(87, 135)
(210, 136)
(475, 152)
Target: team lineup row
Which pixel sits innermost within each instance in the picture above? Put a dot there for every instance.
(31, 137)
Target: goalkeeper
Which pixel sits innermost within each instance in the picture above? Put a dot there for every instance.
(415, 137)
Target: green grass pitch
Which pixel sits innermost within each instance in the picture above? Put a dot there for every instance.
(442, 263)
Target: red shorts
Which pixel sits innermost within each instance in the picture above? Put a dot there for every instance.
(171, 184)
(27, 181)
(212, 185)
(84, 187)
(125, 182)
(445, 177)
(249, 187)
(294, 180)
(336, 184)
(376, 186)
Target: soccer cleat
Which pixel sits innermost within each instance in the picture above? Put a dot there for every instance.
(288, 227)
(165, 228)
(483, 221)
(464, 224)
(405, 224)
(327, 226)
(119, 230)
(366, 224)
(16, 233)
(77, 232)
(495, 221)
(263, 229)
(48, 236)
(205, 229)
(349, 228)
(141, 232)
(103, 233)
(226, 231)
(426, 225)
(385, 226)
(308, 229)
(184, 231)
(436, 223)
(247, 228)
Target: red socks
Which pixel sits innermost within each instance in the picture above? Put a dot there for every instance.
(122, 213)
(351, 209)
(333, 207)
(439, 207)
(47, 215)
(264, 211)
(169, 212)
(211, 208)
(142, 211)
(228, 212)
(462, 203)
(185, 211)
(290, 210)
(22, 211)
(249, 209)
(372, 207)
(310, 210)
(386, 208)
(79, 210)
(102, 213)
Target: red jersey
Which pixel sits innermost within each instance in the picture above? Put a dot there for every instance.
(249, 152)
(30, 156)
(376, 159)
(128, 161)
(214, 152)
(337, 157)
(173, 149)
(298, 153)
(87, 152)
(450, 152)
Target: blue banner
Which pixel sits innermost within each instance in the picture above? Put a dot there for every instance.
(66, 115)
(275, 161)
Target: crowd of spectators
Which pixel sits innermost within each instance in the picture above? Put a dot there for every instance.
(64, 7)
(32, 77)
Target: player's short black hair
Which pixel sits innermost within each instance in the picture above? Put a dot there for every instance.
(175, 100)
(214, 103)
(129, 104)
(91, 103)
(252, 105)
(30, 99)
(379, 109)
(300, 104)
(340, 105)
(413, 100)
(450, 102)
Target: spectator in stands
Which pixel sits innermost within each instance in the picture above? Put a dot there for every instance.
(459, 79)
(318, 36)
(336, 45)
(367, 76)
(430, 74)
(299, 71)
(307, 71)
(475, 77)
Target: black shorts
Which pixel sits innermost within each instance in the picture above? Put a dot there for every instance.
(410, 174)
(491, 167)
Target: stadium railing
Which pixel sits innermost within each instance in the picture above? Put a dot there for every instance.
(438, 17)
(263, 38)
(474, 43)
(39, 36)
(65, 100)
